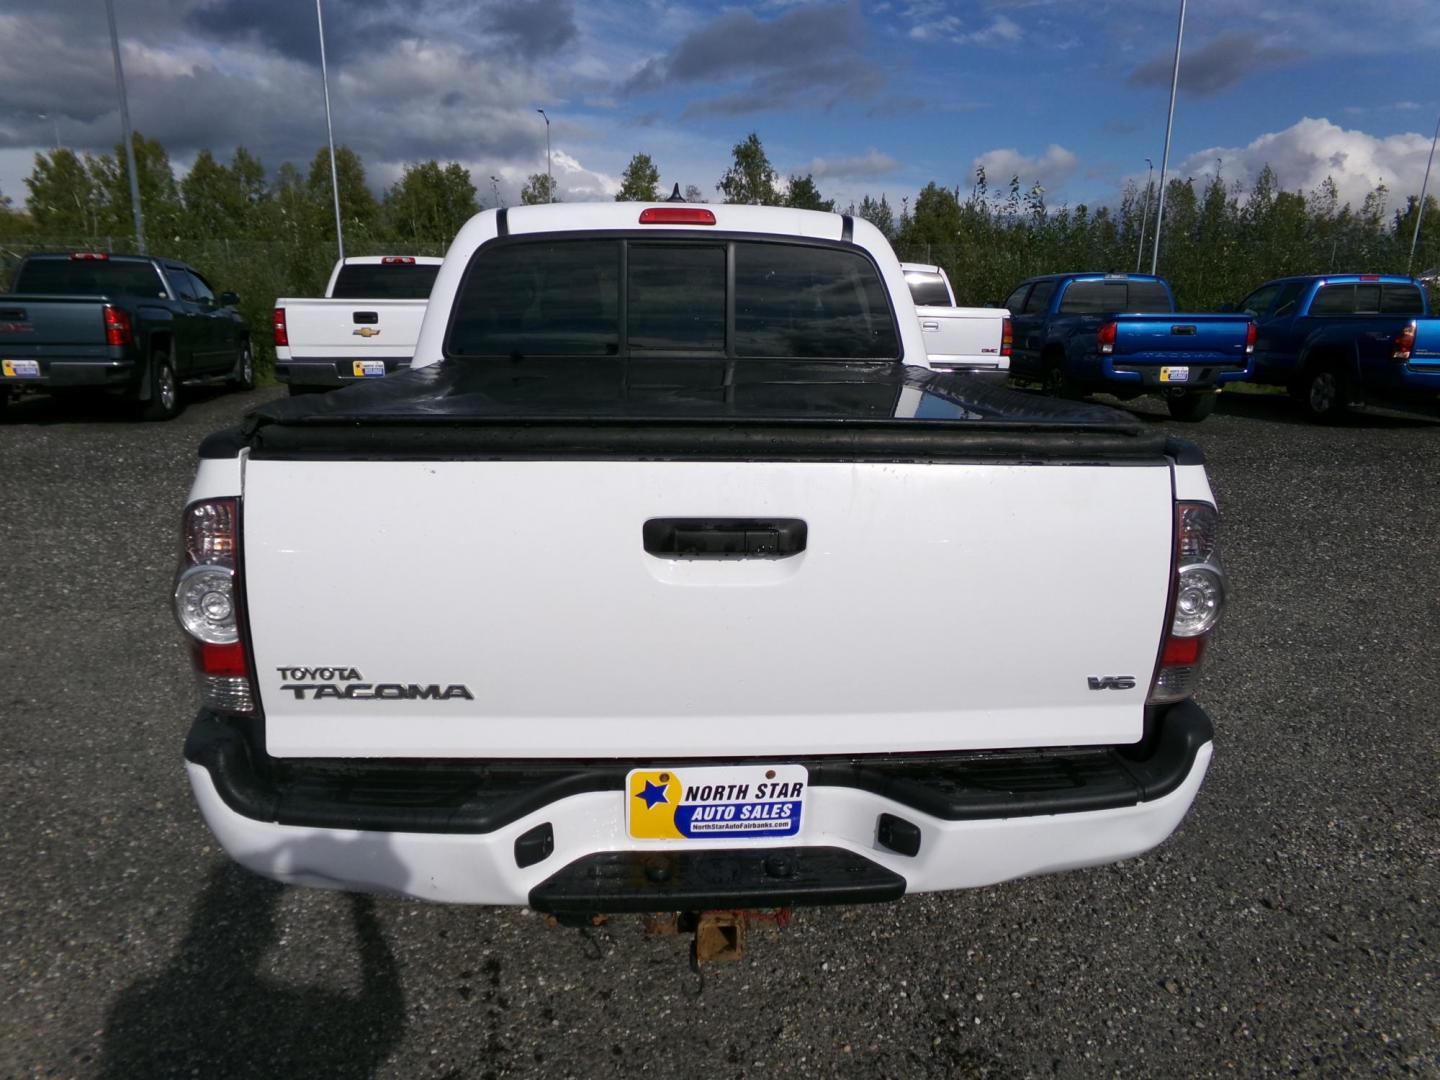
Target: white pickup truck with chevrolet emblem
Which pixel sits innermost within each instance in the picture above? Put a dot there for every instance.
(365, 327)
(670, 579)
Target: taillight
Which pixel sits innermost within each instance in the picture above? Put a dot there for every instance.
(1404, 343)
(677, 215)
(208, 605)
(1251, 333)
(117, 326)
(1196, 601)
(282, 335)
(1007, 338)
(398, 260)
(1105, 338)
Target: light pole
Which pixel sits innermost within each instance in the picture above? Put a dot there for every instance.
(1169, 124)
(1420, 210)
(1144, 215)
(549, 175)
(330, 132)
(125, 130)
(495, 187)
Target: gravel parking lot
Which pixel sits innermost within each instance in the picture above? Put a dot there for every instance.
(1290, 926)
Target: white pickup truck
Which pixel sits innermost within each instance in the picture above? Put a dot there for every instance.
(667, 581)
(973, 340)
(365, 327)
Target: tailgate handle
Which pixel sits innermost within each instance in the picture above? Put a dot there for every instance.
(724, 538)
(1182, 329)
(930, 324)
(367, 316)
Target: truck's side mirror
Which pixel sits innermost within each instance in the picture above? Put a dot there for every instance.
(1226, 307)
(229, 299)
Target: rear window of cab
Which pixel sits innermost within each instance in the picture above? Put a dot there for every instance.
(646, 296)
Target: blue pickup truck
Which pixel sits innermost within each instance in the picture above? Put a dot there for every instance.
(1120, 333)
(1335, 341)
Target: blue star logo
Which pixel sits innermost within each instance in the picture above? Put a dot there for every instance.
(653, 794)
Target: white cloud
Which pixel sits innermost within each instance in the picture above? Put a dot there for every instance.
(1304, 154)
(872, 163)
(1051, 168)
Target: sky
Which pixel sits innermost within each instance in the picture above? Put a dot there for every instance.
(869, 96)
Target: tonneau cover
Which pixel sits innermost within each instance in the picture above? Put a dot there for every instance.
(686, 408)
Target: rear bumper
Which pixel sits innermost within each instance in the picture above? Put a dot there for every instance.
(992, 373)
(330, 372)
(62, 373)
(1203, 374)
(553, 835)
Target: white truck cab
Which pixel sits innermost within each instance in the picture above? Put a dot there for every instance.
(364, 328)
(670, 578)
(973, 340)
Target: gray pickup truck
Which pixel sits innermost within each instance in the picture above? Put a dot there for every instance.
(125, 324)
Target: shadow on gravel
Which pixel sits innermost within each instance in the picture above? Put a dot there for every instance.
(212, 1013)
(1280, 409)
(78, 407)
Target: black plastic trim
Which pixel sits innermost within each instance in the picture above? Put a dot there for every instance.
(466, 796)
(502, 222)
(620, 882)
(847, 229)
(1184, 452)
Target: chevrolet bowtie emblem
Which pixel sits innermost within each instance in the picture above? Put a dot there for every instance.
(365, 331)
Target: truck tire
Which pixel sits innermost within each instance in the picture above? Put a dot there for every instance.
(1056, 384)
(1192, 407)
(243, 377)
(164, 403)
(1323, 393)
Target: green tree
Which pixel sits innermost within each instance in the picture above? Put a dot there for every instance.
(540, 188)
(640, 182)
(63, 199)
(802, 194)
(878, 214)
(359, 209)
(159, 193)
(750, 177)
(431, 203)
(694, 194)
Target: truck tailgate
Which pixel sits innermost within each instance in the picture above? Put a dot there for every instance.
(339, 329)
(963, 336)
(1181, 339)
(456, 555)
(34, 326)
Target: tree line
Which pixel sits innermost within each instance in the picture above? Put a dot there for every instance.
(266, 235)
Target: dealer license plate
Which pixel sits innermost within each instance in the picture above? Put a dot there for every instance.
(20, 369)
(1174, 374)
(715, 802)
(369, 369)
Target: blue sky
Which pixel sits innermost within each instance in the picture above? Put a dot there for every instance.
(870, 96)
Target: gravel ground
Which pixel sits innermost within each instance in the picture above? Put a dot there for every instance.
(1288, 927)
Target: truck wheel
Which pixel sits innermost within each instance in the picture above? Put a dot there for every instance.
(164, 403)
(243, 377)
(1323, 393)
(1192, 406)
(1056, 384)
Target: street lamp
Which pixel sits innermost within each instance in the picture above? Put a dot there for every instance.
(549, 175)
(1169, 124)
(125, 130)
(1420, 210)
(495, 187)
(1144, 215)
(330, 132)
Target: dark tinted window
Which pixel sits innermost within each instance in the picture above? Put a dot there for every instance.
(1334, 300)
(1401, 300)
(385, 281)
(676, 297)
(200, 289)
(180, 283)
(1259, 302)
(1148, 298)
(1093, 298)
(89, 278)
(1039, 301)
(1016, 300)
(1288, 298)
(794, 301)
(1367, 299)
(927, 288)
(557, 298)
